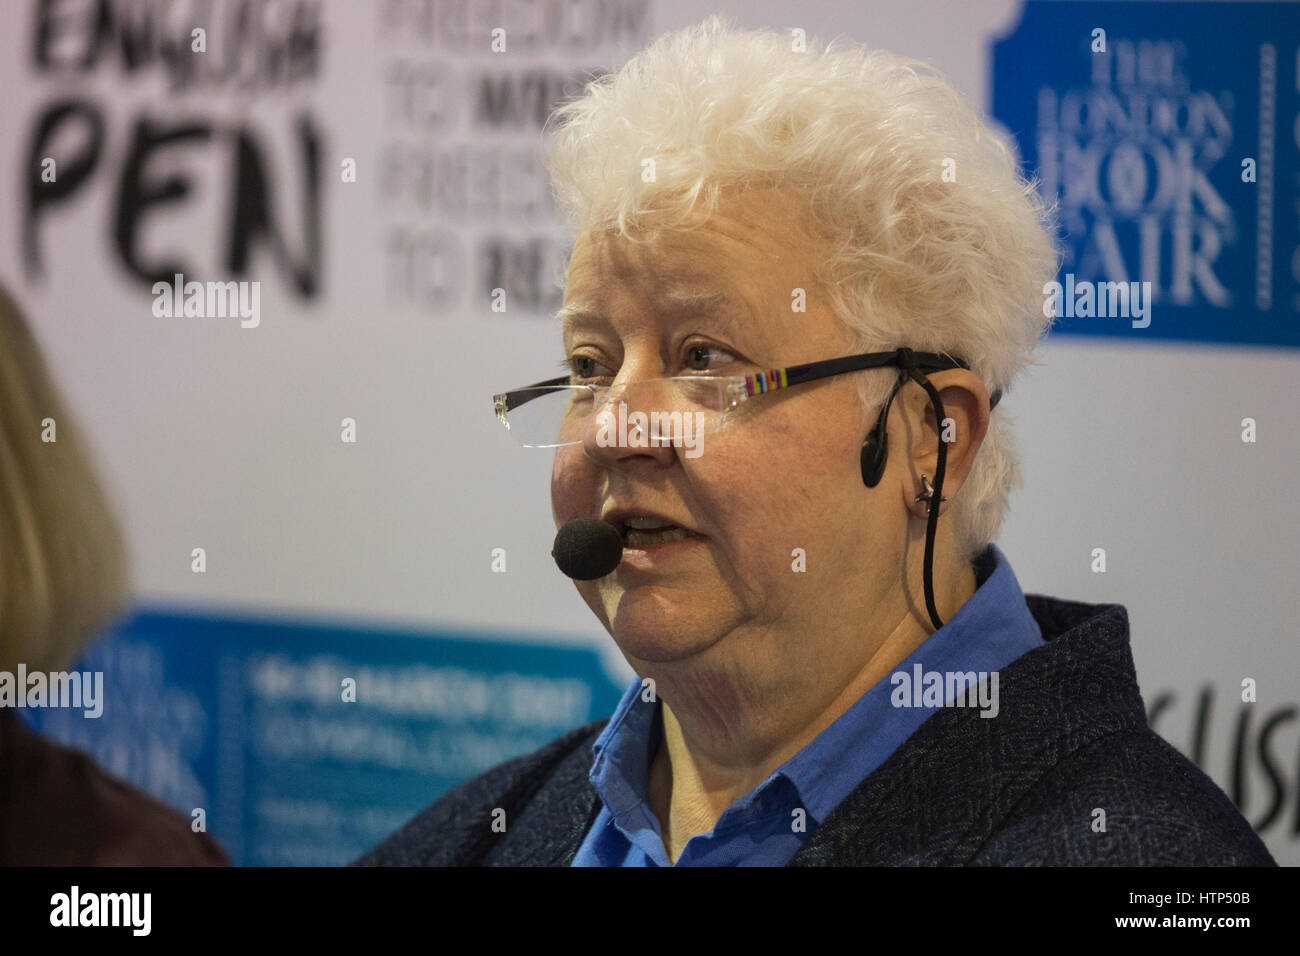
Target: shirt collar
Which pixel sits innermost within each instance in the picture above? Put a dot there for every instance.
(990, 630)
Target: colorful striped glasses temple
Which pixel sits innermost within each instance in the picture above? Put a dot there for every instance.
(761, 382)
(770, 380)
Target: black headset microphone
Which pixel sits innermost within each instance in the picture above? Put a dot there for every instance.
(588, 548)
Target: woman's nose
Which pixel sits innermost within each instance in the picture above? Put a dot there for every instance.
(622, 424)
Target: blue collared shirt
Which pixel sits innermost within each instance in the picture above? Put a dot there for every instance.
(987, 633)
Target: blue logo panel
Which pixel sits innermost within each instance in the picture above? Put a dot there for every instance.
(1168, 135)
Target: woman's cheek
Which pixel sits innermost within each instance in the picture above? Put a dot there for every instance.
(567, 488)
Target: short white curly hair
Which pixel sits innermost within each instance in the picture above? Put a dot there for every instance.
(863, 137)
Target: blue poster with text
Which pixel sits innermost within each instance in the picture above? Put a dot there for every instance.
(1167, 136)
(306, 744)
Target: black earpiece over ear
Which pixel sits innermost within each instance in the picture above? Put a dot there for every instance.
(875, 450)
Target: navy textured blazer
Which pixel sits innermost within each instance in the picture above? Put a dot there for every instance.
(1019, 789)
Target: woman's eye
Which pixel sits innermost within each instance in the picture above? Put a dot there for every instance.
(703, 355)
(583, 367)
(699, 358)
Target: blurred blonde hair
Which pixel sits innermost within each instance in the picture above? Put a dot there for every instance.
(63, 570)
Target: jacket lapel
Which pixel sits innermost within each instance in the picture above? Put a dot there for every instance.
(551, 827)
(941, 795)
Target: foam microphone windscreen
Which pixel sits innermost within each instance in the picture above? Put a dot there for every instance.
(587, 548)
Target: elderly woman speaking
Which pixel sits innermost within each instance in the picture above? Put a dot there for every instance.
(801, 281)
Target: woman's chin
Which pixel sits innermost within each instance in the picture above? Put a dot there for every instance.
(658, 628)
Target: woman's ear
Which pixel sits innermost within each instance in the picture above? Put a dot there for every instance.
(964, 425)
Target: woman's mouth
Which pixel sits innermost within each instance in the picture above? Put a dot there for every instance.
(639, 538)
